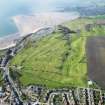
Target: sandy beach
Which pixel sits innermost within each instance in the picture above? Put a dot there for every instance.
(27, 24)
(30, 23)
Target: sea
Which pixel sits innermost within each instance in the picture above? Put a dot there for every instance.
(10, 8)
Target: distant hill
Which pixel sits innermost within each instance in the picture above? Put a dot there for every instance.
(86, 8)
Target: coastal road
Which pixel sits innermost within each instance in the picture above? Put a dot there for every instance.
(8, 79)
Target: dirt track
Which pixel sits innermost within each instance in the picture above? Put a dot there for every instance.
(95, 49)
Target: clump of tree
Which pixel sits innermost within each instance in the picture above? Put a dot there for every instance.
(65, 30)
(58, 100)
(89, 27)
(66, 35)
(15, 75)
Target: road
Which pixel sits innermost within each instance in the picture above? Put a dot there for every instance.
(6, 76)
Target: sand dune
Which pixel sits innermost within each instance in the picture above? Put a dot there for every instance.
(27, 24)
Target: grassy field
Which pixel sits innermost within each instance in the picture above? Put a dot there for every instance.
(44, 61)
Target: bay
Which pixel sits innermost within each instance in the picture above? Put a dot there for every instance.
(10, 8)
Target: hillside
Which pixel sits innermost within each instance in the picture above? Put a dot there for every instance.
(57, 61)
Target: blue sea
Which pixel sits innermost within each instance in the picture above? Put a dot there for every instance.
(10, 8)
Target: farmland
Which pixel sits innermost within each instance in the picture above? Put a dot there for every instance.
(96, 61)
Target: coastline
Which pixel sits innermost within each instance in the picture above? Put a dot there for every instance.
(8, 41)
(27, 24)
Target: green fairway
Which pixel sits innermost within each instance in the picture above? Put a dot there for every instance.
(44, 62)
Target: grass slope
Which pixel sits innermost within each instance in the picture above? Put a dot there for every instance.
(43, 62)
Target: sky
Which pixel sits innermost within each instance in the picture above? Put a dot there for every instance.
(6, 5)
